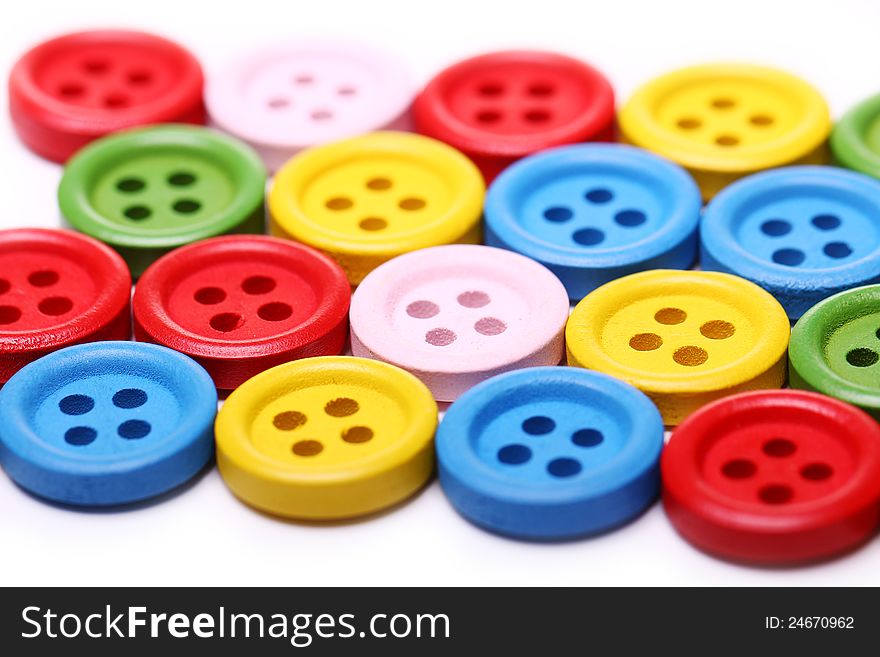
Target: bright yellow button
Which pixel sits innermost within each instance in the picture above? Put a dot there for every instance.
(367, 199)
(329, 437)
(725, 121)
(685, 338)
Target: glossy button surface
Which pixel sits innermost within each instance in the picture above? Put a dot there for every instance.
(107, 423)
(285, 98)
(685, 338)
(835, 348)
(550, 453)
(776, 477)
(67, 91)
(801, 233)
(455, 315)
(150, 190)
(242, 304)
(501, 106)
(367, 199)
(595, 212)
(58, 288)
(723, 121)
(326, 438)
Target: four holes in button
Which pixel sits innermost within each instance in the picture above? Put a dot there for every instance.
(689, 355)
(742, 469)
(339, 408)
(541, 425)
(126, 399)
(792, 257)
(52, 306)
(132, 185)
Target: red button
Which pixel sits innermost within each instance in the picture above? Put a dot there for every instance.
(75, 88)
(242, 304)
(502, 106)
(778, 476)
(58, 288)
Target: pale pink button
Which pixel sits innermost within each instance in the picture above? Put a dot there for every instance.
(456, 315)
(283, 99)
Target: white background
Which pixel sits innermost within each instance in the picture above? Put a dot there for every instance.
(202, 535)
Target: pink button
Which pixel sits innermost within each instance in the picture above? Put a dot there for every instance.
(456, 315)
(290, 97)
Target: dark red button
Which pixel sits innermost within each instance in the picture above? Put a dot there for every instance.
(774, 477)
(58, 288)
(502, 106)
(242, 304)
(75, 88)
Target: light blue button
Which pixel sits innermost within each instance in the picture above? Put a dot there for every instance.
(801, 233)
(595, 212)
(107, 423)
(550, 453)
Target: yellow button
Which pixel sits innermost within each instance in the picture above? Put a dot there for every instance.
(367, 199)
(685, 338)
(326, 438)
(725, 121)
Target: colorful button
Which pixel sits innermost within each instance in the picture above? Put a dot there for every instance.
(58, 288)
(499, 107)
(107, 423)
(594, 213)
(145, 192)
(725, 121)
(685, 338)
(550, 453)
(284, 99)
(835, 348)
(367, 199)
(456, 315)
(75, 88)
(855, 139)
(801, 233)
(327, 438)
(240, 305)
(774, 477)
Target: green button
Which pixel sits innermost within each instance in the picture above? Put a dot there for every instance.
(855, 140)
(835, 348)
(147, 191)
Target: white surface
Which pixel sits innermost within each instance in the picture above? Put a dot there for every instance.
(202, 535)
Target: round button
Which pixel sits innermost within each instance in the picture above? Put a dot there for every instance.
(774, 477)
(684, 338)
(327, 438)
(367, 199)
(107, 423)
(240, 305)
(550, 453)
(58, 288)
(593, 213)
(855, 139)
(835, 348)
(284, 99)
(456, 315)
(145, 192)
(724, 121)
(801, 233)
(70, 90)
(502, 106)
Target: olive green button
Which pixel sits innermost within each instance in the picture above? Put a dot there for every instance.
(835, 348)
(147, 191)
(855, 140)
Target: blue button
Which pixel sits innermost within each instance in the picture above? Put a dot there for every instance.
(107, 423)
(550, 453)
(592, 213)
(801, 233)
